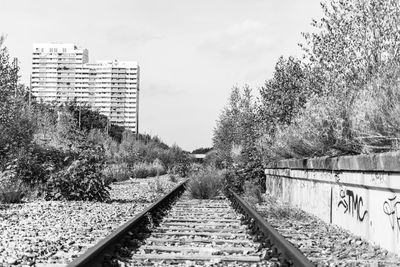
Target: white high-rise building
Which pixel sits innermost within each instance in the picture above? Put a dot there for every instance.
(114, 91)
(54, 70)
(61, 72)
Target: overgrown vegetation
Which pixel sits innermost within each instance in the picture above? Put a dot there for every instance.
(69, 151)
(253, 192)
(143, 170)
(205, 184)
(82, 180)
(11, 190)
(342, 96)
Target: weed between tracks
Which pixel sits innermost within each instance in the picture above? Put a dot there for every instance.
(205, 184)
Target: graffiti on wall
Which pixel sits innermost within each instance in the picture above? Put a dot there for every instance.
(352, 204)
(391, 207)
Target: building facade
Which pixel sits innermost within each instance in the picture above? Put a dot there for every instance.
(55, 68)
(113, 90)
(62, 72)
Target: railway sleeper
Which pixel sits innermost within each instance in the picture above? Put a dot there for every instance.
(186, 232)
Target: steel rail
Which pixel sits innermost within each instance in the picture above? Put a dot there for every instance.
(94, 256)
(285, 247)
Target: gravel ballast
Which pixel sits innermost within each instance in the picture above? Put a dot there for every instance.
(52, 233)
(324, 244)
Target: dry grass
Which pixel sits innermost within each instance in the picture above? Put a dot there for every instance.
(275, 208)
(143, 170)
(376, 115)
(117, 172)
(363, 120)
(205, 185)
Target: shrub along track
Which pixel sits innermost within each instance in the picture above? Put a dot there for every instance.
(190, 232)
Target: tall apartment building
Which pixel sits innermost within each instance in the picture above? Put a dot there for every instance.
(54, 70)
(113, 90)
(61, 72)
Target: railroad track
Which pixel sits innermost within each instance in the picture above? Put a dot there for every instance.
(180, 231)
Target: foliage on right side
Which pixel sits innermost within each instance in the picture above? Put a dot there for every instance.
(341, 98)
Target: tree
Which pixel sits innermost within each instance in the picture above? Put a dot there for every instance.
(357, 42)
(46, 121)
(282, 98)
(85, 117)
(8, 75)
(286, 93)
(352, 59)
(226, 131)
(235, 139)
(237, 129)
(16, 127)
(353, 41)
(116, 132)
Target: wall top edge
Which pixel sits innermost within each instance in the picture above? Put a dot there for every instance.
(385, 162)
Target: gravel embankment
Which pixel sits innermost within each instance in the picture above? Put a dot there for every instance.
(322, 243)
(52, 233)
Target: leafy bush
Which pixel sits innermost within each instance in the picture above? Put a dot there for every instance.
(143, 170)
(16, 130)
(82, 180)
(212, 159)
(205, 185)
(253, 192)
(180, 169)
(175, 156)
(232, 179)
(35, 165)
(117, 172)
(89, 119)
(12, 190)
(195, 168)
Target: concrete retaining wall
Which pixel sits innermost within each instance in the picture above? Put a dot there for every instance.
(358, 193)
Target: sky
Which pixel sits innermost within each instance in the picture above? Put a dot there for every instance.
(191, 53)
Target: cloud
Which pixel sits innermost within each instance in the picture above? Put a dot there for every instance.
(161, 89)
(246, 40)
(131, 35)
(244, 27)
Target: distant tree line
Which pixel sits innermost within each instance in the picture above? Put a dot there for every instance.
(202, 150)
